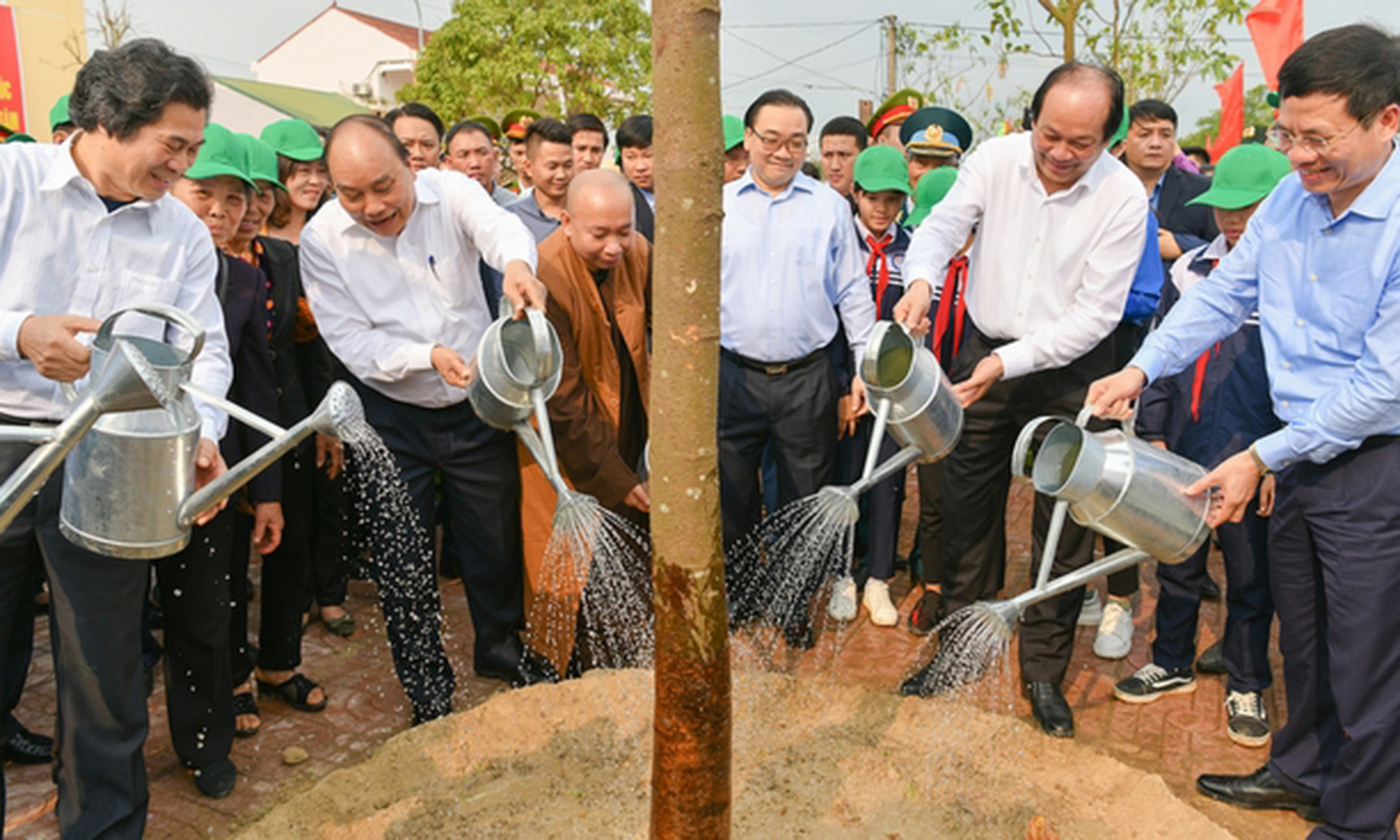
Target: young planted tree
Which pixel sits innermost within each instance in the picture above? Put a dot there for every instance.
(558, 56)
(690, 788)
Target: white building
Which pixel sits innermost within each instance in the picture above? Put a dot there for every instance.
(359, 56)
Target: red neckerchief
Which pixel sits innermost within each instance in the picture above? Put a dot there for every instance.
(877, 252)
(1199, 380)
(954, 286)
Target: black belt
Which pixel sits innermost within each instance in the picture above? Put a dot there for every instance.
(773, 368)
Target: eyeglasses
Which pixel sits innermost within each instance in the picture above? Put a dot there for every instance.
(1284, 140)
(797, 144)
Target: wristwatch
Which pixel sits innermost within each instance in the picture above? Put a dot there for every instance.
(1259, 462)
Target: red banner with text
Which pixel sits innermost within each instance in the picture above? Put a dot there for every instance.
(11, 76)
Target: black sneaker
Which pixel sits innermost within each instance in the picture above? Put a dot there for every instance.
(1152, 682)
(1248, 720)
(217, 780)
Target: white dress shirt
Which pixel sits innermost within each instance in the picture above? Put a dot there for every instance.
(1050, 273)
(63, 253)
(384, 302)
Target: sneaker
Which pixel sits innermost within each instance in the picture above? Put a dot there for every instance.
(1115, 639)
(1248, 720)
(1152, 682)
(877, 601)
(1092, 612)
(842, 606)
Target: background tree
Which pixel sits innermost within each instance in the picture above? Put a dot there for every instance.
(558, 56)
(1258, 116)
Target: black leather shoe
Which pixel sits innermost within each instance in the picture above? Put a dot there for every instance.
(25, 747)
(1050, 709)
(1212, 659)
(1260, 790)
(532, 668)
(217, 780)
(1210, 590)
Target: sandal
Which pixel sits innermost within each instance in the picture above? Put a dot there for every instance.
(294, 692)
(926, 614)
(341, 625)
(244, 704)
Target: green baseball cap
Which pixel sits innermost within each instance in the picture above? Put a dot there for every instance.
(1243, 176)
(58, 114)
(262, 160)
(221, 154)
(933, 188)
(733, 131)
(492, 127)
(882, 169)
(1122, 133)
(294, 139)
(20, 137)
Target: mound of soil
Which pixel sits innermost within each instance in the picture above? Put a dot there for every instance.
(811, 759)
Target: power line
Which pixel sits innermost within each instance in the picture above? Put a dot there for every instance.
(788, 63)
(805, 25)
(761, 48)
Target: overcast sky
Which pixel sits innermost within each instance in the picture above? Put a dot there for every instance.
(836, 43)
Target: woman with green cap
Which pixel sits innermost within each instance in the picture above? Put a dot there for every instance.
(195, 584)
(302, 171)
(301, 366)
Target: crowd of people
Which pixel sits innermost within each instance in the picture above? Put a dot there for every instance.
(1240, 312)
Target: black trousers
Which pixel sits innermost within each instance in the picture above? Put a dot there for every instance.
(20, 564)
(328, 517)
(481, 487)
(931, 513)
(878, 532)
(1334, 556)
(797, 412)
(194, 589)
(1251, 606)
(977, 480)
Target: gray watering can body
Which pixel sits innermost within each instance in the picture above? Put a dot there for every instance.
(922, 410)
(517, 362)
(131, 440)
(1118, 485)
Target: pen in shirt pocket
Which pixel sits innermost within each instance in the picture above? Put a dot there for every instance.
(432, 266)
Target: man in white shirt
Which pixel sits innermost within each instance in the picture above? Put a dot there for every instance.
(88, 229)
(391, 272)
(1061, 228)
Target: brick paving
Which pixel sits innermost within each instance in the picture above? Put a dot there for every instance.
(1177, 737)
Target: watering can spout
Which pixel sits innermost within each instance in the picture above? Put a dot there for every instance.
(340, 414)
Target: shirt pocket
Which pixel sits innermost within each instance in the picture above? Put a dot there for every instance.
(137, 287)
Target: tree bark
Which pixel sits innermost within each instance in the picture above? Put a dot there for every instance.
(690, 782)
(1065, 13)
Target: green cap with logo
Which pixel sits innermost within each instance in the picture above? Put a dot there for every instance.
(489, 123)
(733, 131)
(882, 169)
(58, 114)
(933, 188)
(294, 139)
(1244, 175)
(221, 154)
(262, 160)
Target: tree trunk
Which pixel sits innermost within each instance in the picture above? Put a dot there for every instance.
(1065, 13)
(690, 787)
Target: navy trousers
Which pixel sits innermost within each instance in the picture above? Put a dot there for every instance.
(1251, 606)
(481, 489)
(878, 533)
(1334, 553)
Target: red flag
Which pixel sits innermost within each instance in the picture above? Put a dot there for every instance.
(11, 76)
(1231, 92)
(1277, 29)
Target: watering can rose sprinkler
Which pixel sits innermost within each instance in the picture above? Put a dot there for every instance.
(131, 438)
(1110, 482)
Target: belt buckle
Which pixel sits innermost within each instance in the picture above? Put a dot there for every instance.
(775, 370)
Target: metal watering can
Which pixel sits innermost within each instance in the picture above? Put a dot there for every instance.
(131, 440)
(518, 366)
(913, 401)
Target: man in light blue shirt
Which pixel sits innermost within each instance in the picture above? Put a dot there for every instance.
(1321, 262)
(791, 275)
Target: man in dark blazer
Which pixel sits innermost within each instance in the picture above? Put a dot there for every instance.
(1149, 151)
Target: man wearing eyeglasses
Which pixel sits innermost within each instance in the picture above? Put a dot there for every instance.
(790, 276)
(1062, 228)
(1321, 261)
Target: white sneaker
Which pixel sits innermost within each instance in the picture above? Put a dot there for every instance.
(1092, 612)
(842, 606)
(877, 601)
(1115, 639)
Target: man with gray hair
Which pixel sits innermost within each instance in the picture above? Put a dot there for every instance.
(391, 272)
(90, 230)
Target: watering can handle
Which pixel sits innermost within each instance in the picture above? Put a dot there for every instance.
(1021, 458)
(165, 312)
(539, 329)
(1087, 413)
